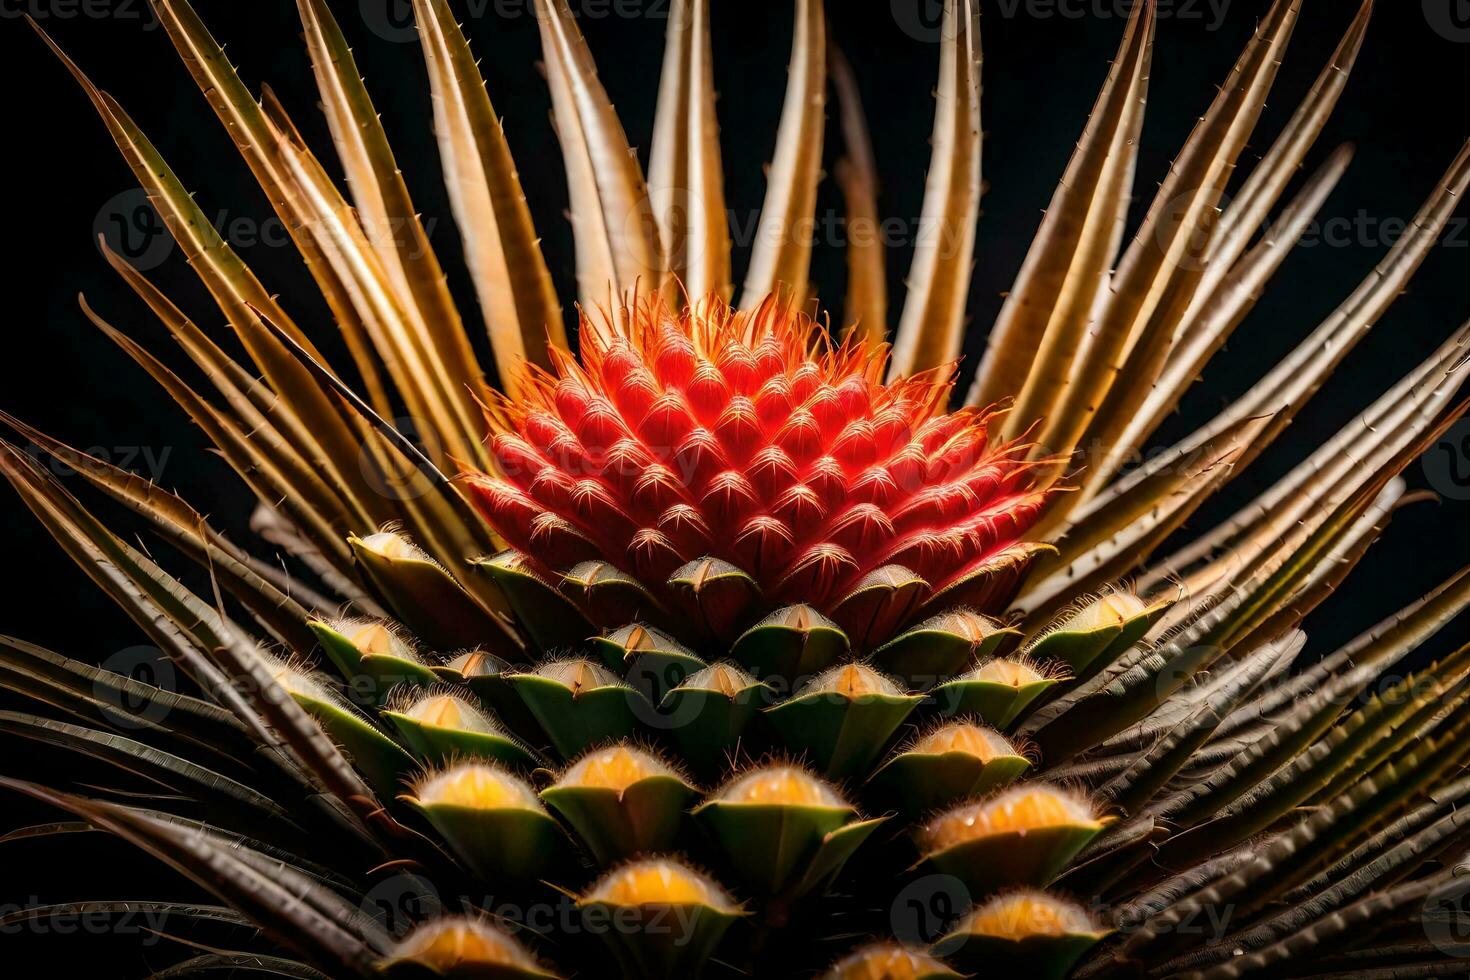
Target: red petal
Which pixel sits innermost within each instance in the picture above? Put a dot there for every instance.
(657, 488)
(707, 393)
(826, 407)
(505, 508)
(619, 362)
(730, 499)
(875, 485)
(762, 544)
(636, 393)
(599, 427)
(816, 574)
(516, 459)
(556, 543)
(773, 404)
(770, 358)
(801, 508)
(935, 508)
(668, 421)
(805, 381)
(623, 465)
(772, 472)
(595, 508)
(801, 436)
(674, 362)
(653, 555)
(739, 366)
(863, 530)
(552, 488)
(686, 528)
(698, 459)
(854, 447)
(827, 477)
(892, 428)
(572, 398)
(738, 430)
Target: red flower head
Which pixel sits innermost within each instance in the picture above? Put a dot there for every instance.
(749, 437)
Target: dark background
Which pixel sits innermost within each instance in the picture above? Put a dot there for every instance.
(1406, 108)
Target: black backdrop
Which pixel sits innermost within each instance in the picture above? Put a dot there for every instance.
(1044, 59)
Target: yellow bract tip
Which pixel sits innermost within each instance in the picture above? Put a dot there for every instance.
(1013, 673)
(479, 786)
(616, 767)
(391, 545)
(578, 675)
(1111, 609)
(780, 785)
(886, 961)
(852, 681)
(970, 625)
(660, 881)
(475, 663)
(959, 736)
(451, 711)
(722, 678)
(1028, 913)
(374, 639)
(447, 943)
(1035, 806)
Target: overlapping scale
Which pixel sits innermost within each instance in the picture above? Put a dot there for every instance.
(749, 437)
